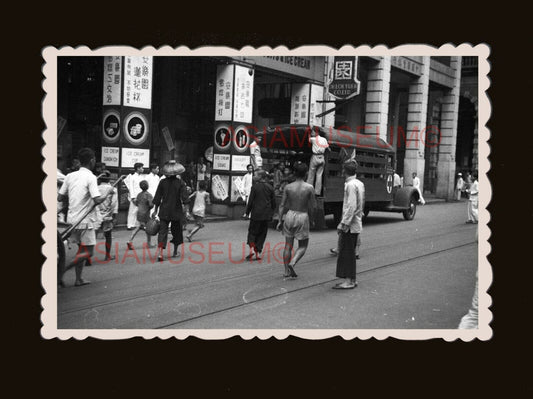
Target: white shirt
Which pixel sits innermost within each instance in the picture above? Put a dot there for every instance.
(132, 183)
(474, 188)
(247, 183)
(81, 187)
(460, 183)
(416, 182)
(397, 182)
(352, 206)
(318, 145)
(153, 181)
(255, 158)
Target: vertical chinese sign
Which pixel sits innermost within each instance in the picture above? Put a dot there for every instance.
(306, 104)
(127, 115)
(231, 150)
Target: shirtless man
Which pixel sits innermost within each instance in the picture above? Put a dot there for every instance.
(298, 205)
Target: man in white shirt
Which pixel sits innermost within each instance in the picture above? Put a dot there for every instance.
(132, 183)
(473, 192)
(319, 146)
(416, 185)
(255, 152)
(350, 227)
(152, 178)
(247, 184)
(459, 186)
(81, 191)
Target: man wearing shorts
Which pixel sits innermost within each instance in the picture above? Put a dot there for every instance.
(81, 191)
(297, 207)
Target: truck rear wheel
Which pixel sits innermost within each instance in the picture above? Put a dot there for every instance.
(409, 214)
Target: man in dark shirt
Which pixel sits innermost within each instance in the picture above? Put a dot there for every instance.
(170, 194)
(261, 206)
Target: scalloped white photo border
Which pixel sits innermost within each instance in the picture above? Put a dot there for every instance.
(49, 328)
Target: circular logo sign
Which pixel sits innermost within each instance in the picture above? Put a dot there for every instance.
(111, 126)
(136, 128)
(389, 184)
(222, 138)
(242, 139)
(208, 154)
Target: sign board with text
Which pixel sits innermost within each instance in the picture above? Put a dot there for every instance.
(138, 81)
(110, 156)
(344, 83)
(130, 156)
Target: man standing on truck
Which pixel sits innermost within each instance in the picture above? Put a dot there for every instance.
(319, 146)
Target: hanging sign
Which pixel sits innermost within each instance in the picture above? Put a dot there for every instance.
(168, 138)
(138, 82)
(224, 92)
(244, 83)
(300, 103)
(112, 80)
(344, 83)
(315, 107)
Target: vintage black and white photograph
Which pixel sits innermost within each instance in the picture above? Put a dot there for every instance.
(266, 192)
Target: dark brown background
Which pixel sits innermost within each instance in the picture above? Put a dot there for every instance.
(334, 366)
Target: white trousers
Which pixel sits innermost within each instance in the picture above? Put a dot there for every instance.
(132, 215)
(316, 169)
(472, 208)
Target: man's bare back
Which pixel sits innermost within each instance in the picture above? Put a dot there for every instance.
(299, 196)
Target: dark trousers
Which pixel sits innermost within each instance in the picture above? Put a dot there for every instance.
(257, 232)
(175, 229)
(108, 243)
(346, 266)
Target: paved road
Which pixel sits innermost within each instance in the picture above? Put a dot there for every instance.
(413, 275)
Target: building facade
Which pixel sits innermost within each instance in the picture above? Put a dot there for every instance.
(153, 109)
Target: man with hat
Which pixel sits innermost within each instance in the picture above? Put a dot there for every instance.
(170, 194)
(459, 186)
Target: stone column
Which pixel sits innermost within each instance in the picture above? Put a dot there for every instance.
(416, 124)
(448, 136)
(377, 98)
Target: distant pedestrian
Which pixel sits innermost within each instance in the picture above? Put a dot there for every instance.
(459, 186)
(296, 215)
(80, 189)
(132, 184)
(467, 183)
(319, 146)
(153, 178)
(201, 200)
(416, 185)
(473, 192)
(260, 208)
(108, 211)
(397, 181)
(169, 197)
(255, 152)
(350, 227)
(144, 203)
(99, 168)
(247, 184)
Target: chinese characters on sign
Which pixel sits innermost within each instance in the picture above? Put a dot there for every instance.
(138, 82)
(224, 93)
(112, 80)
(315, 107)
(244, 83)
(344, 83)
(300, 103)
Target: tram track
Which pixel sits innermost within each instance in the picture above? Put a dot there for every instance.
(243, 275)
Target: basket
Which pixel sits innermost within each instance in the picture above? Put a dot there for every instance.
(152, 226)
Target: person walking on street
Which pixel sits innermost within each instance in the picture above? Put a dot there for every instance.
(201, 199)
(473, 192)
(260, 208)
(80, 189)
(416, 185)
(247, 184)
(350, 227)
(319, 146)
(132, 184)
(255, 152)
(144, 203)
(296, 214)
(169, 196)
(108, 211)
(459, 186)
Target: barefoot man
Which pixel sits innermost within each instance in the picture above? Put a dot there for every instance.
(297, 206)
